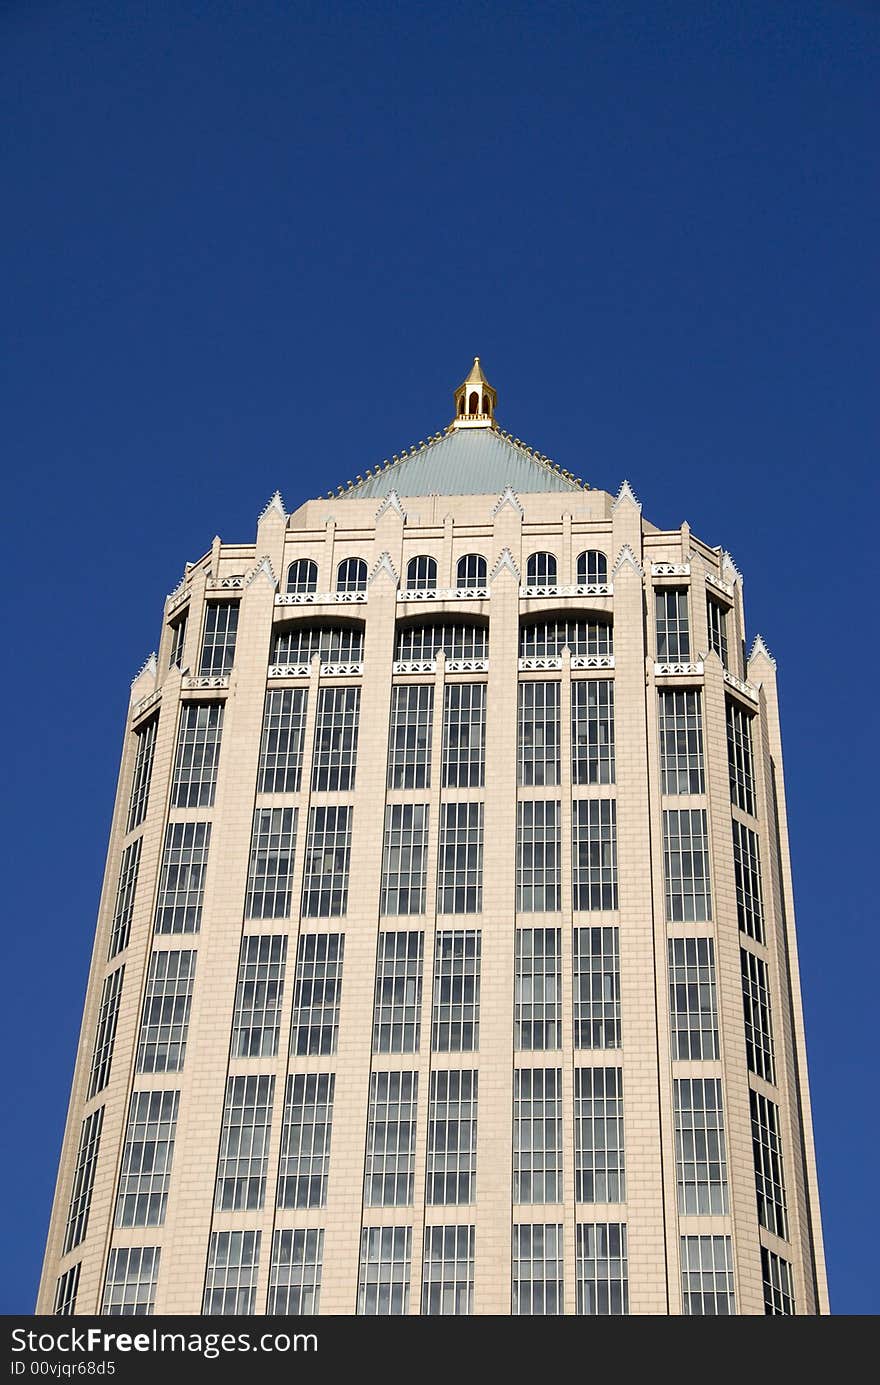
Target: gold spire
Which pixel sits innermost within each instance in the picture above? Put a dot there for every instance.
(475, 400)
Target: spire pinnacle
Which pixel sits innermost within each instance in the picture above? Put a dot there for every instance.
(475, 400)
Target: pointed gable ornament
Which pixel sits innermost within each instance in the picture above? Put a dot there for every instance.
(384, 564)
(729, 567)
(627, 557)
(149, 666)
(759, 648)
(508, 497)
(505, 560)
(391, 502)
(275, 503)
(626, 492)
(264, 565)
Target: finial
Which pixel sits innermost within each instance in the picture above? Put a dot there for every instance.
(475, 400)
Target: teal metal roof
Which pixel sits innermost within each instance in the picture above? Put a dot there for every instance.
(467, 461)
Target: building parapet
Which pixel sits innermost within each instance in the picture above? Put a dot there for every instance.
(670, 569)
(204, 680)
(679, 670)
(582, 589)
(745, 688)
(320, 598)
(444, 594)
(720, 585)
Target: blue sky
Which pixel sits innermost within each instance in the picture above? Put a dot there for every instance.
(257, 246)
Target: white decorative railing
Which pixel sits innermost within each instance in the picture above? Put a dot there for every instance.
(216, 584)
(540, 661)
(467, 665)
(352, 670)
(177, 599)
(320, 598)
(444, 594)
(205, 680)
(327, 670)
(670, 569)
(592, 661)
(145, 703)
(289, 670)
(745, 688)
(678, 670)
(713, 581)
(582, 589)
(415, 666)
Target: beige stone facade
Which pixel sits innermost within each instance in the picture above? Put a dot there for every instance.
(554, 1215)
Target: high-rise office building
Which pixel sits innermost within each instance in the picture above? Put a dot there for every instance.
(446, 956)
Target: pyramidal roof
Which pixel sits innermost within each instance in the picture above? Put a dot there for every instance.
(472, 457)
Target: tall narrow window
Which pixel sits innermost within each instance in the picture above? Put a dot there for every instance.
(747, 873)
(145, 742)
(673, 637)
(739, 757)
(302, 577)
(273, 842)
(543, 639)
(405, 859)
(470, 571)
(305, 1140)
(538, 760)
(317, 993)
(66, 1291)
(182, 882)
(767, 1150)
(602, 1278)
(146, 1159)
(244, 1144)
(693, 1011)
(681, 742)
(596, 987)
(409, 737)
(541, 570)
(218, 640)
(284, 718)
(295, 1275)
(325, 878)
(707, 1276)
(537, 1135)
(756, 1010)
(717, 620)
(594, 853)
(537, 1270)
(383, 1280)
(421, 574)
(105, 1034)
(460, 867)
(592, 568)
(598, 1135)
(464, 735)
(397, 1005)
(231, 1279)
(452, 1137)
(700, 1157)
(120, 929)
(165, 1019)
(686, 863)
(336, 737)
(258, 992)
(198, 751)
(178, 640)
(351, 575)
(130, 1285)
(537, 1014)
(592, 731)
(83, 1181)
(778, 1288)
(448, 1271)
(456, 1017)
(391, 1139)
(538, 849)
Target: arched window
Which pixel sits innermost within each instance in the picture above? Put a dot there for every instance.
(461, 405)
(302, 576)
(471, 571)
(351, 575)
(592, 567)
(485, 403)
(421, 574)
(474, 403)
(541, 570)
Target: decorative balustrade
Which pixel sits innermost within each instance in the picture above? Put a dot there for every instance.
(467, 665)
(719, 584)
(192, 682)
(745, 688)
(177, 598)
(320, 598)
(352, 670)
(144, 704)
(678, 670)
(582, 589)
(222, 584)
(538, 662)
(592, 661)
(670, 569)
(444, 594)
(415, 666)
(289, 670)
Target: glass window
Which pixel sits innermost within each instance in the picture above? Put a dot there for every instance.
(541, 639)
(409, 738)
(317, 993)
(456, 1015)
(538, 758)
(218, 640)
(391, 1139)
(448, 1271)
(182, 882)
(299, 644)
(717, 618)
(537, 1135)
(592, 568)
(305, 1140)
(421, 574)
(351, 575)
(146, 1159)
(336, 737)
(120, 929)
(538, 848)
(397, 1005)
(198, 751)
(383, 1281)
(417, 643)
(778, 1289)
(244, 1144)
(284, 718)
(105, 1034)
(405, 858)
(258, 993)
(594, 853)
(739, 757)
(769, 1180)
(598, 1135)
(681, 742)
(686, 863)
(165, 1018)
(460, 867)
(596, 964)
(700, 1157)
(295, 1275)
(693, 1011)
(302, 577)
(747, 872)
(537, 1270)
(65, 1292)
(537, 1013)
(178, 639)
(231, 1279)
(452, 1137)
(464, 735)
(756, 1009)
(707, 1276)
(541, 570)
(145, 743)
(602, 1280)
(83, 1181)
(673, 637)
(470, 571)
(325, 878)
(130, 1285)
(592, 731)
(273, 843)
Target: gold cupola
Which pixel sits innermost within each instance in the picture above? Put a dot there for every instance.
(475, 400)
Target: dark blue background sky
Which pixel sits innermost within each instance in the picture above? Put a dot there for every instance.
(257, 245)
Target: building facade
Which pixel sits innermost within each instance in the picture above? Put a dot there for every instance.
(446, 957)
